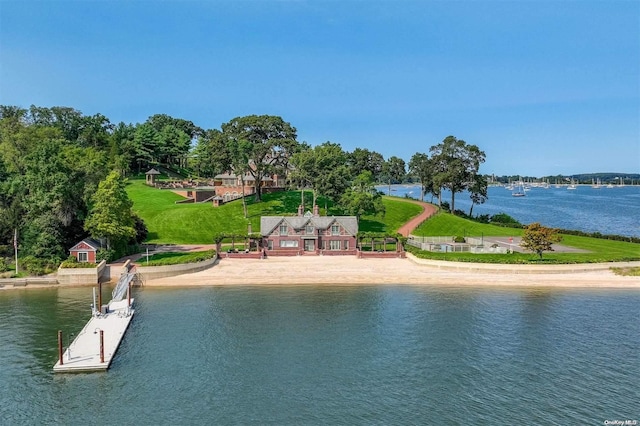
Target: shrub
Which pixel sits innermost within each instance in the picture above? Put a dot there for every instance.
(72, 262)
(171, 258)
(105, 254)
(37, 266)
(459, 239)
(505, 219)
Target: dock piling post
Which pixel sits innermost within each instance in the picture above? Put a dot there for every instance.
(99, 296)
(60, 347)
(101, 346)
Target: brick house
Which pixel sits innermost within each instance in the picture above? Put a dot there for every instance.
(85, 250)
(229, 186)
(309, 234)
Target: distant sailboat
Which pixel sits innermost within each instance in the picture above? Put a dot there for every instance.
(572, 185)
(518, 190)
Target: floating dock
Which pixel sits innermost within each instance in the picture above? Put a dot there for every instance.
(95, 346)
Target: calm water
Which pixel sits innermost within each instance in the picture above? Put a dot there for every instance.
(332, 355)
(605, 210)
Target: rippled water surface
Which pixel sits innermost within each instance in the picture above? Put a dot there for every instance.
(332, 355)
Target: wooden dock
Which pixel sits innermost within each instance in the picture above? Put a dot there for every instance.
(95, 346)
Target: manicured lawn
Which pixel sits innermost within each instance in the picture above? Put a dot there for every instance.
(192, 223)
(196, 223)
(445, 224)
(398, 212)
(174, 258)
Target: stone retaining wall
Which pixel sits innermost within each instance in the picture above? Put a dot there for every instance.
(153, 272)
(381, 255)
(519, 268)
(23, 282)
(77, 276)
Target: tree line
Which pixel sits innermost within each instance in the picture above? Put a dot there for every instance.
(61, 172)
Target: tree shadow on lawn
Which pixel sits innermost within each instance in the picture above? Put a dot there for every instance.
(279, 204)
(367, 225)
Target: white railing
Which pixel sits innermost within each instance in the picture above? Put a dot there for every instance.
(446, 245)
(121, 288)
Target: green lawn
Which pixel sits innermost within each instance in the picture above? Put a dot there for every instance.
(175, 258)
(445, 224)
(196, 223)
(398, 212)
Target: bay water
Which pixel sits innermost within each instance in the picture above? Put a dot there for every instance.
(614, 211)
(379, 354)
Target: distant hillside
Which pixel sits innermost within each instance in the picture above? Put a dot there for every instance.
(627, 178)
(605, 178)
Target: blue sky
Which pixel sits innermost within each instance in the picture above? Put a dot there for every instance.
(543, 87)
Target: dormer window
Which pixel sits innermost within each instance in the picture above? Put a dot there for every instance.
(309, 229)
(335, 229)
(284, 229)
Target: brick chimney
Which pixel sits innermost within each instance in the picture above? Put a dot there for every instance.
(300, 210)
(316, 210)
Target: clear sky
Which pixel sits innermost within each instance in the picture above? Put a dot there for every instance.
(543, 87)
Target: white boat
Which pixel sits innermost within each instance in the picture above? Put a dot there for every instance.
(518, 190)
(572, 185)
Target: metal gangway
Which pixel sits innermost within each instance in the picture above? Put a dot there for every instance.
(121, 288)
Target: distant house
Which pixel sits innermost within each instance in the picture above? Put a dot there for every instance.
(309, 234)
(85, 250)
(229, 185)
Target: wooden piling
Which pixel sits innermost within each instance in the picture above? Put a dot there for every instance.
(101, 346)
(60, 351)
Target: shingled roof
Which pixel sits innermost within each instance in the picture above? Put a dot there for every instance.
(269, 223)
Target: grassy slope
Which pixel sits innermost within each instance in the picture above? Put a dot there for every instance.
(599, 250)
(197, 223)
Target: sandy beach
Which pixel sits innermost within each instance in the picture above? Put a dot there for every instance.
(339, 270)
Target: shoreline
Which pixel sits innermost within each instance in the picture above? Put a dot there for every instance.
(349, 271)
(337, 271)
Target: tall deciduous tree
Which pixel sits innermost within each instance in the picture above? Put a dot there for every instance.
(362, 159)
(111, 216)
(272, 141)
(362, 198)
(455, 164)
(478, 188)
(539, 239)
(323, 168)
(421, 167)
(394, 170)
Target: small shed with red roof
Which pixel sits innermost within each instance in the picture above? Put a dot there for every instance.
(85, 250)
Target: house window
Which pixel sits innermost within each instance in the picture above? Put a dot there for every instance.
(284, 230)
(288, 243)
(346, 244)
(334, 245)
(270, 244)
(83, 256)
(335, 229)
(309, 229)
